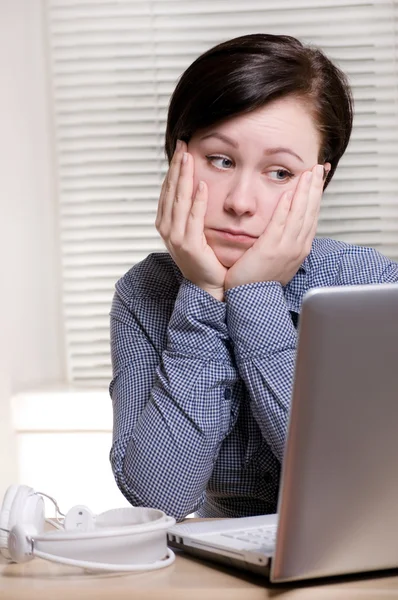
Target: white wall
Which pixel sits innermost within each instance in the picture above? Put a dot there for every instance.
(55, 441)
(63, 443)
(30, 308)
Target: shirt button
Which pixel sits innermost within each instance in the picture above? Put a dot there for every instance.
(227, 393)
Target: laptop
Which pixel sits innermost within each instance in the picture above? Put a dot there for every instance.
(338, 502)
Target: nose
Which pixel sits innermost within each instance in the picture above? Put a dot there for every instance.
(241, 197)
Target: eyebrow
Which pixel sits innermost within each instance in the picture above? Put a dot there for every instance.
(267, 151)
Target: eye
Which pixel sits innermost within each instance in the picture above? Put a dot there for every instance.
(287, 175)
(222, 163)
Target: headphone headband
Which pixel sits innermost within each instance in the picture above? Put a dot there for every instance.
(124, 539)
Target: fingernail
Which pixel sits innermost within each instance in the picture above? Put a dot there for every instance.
(178, 145)
(201, 186)
(308, 176)
(184, 158)
(319, 170)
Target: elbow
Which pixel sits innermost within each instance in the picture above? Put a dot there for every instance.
(172, 500)
(151, 481)
(168, 501)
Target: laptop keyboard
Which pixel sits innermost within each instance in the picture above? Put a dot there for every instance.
(261, 539)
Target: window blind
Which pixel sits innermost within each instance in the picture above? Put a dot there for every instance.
(113, 67)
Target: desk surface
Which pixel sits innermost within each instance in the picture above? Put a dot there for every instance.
(187, 579)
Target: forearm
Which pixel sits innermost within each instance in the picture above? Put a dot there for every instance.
(164, 456)
(264, 341)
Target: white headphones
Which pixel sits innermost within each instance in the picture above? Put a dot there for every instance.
(122, 539)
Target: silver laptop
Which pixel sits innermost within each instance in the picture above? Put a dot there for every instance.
(338, 501)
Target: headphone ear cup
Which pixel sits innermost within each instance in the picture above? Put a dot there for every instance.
(79, 518)
(23, 507)
(5, 519)
(20, 543)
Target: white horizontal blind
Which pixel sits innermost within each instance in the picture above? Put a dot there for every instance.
(114, 65)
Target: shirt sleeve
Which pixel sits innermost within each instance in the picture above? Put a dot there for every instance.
(264, 341)
(171, 412)
(390, 273)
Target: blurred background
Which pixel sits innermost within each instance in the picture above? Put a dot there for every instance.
(83, 103)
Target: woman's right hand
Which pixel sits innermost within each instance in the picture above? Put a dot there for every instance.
(180, 222)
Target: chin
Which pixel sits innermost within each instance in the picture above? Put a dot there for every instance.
(228, 256)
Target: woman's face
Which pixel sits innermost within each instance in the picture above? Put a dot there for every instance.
(247, 163)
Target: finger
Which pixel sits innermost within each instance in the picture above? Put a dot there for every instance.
(169, 187)
(313, 205)
(183, 198)
(313, 230)
(327, 167)
(298, 207)
(159, 212)
(160, 208)
(196, 217)
(275, 228)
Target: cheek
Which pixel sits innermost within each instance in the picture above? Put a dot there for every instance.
(217, 193)
(272, 195)
(201, 170)
(269, 197)
(216, 186)
(199, 173)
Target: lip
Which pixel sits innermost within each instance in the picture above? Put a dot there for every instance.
(235, 235)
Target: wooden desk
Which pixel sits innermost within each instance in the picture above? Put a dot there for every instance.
(187, 579)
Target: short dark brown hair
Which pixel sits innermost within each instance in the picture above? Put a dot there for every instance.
(248, 72)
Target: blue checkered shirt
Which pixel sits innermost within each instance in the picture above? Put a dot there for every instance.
(201, 388)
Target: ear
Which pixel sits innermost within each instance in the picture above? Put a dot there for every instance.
(326, 166)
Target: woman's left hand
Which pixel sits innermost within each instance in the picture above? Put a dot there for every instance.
(279, 252)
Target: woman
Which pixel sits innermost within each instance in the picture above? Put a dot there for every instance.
(204, 336)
